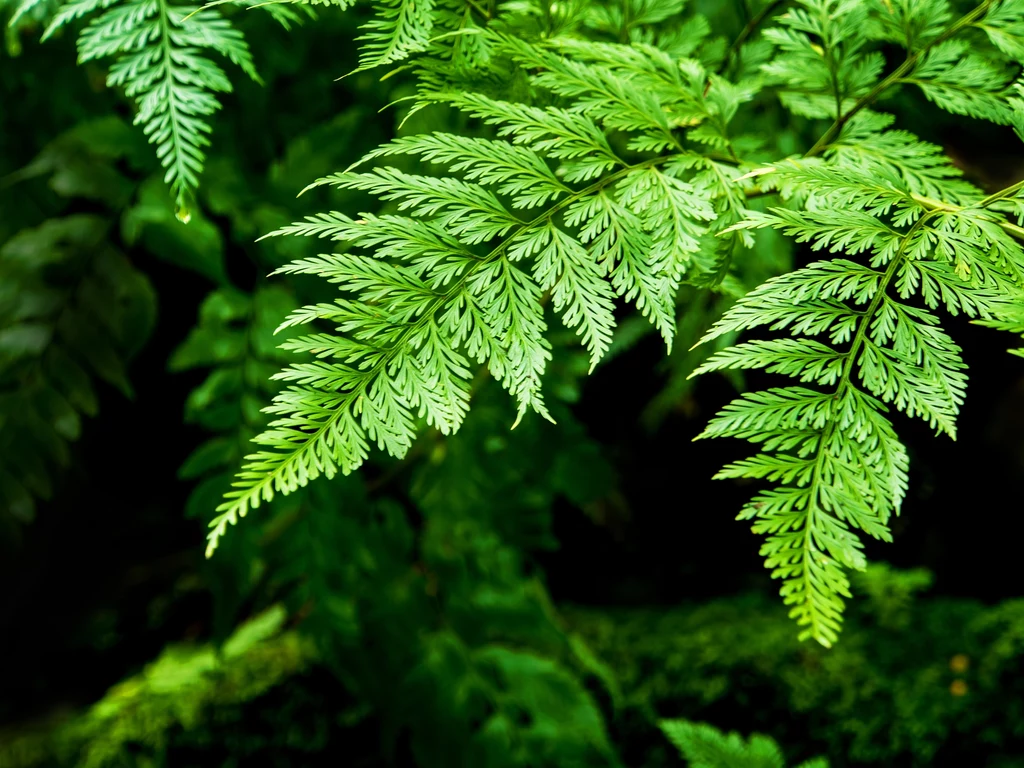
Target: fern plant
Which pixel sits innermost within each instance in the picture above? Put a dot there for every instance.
(609, 157)
(609, 172)
(566, 179)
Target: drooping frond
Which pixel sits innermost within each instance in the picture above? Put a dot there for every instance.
(596, 174)
(830, 451)
(160, 60)
(458, 278)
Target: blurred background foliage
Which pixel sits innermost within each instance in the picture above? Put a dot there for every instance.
(537, 597)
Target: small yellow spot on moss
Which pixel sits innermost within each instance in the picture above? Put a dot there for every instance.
(958, 688)
(959, 663)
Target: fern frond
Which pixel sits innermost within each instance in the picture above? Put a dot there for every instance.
(514, 171)
(850, 189)
(807, 360)
(834, 455)
(468, 211)
(822, 65)
(599, 93)
(912, 24)
(863, 145)
(459, 278)
(682, 90)
(556, 133)
(158, 49)
(612, 172)
(1003, 24)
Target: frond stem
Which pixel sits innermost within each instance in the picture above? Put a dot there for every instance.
(748, 29)
(1011, 228)
(1009, 191)
(895, 76)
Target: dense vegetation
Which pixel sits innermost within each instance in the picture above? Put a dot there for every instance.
(540, 248)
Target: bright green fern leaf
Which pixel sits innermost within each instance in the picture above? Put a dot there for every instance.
(458, 277)
(832, 451)
(158, 49)
(593, 175)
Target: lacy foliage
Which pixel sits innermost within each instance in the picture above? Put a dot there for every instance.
(607, 160)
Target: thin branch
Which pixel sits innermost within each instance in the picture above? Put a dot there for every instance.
(897, 74)
(748, 29)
